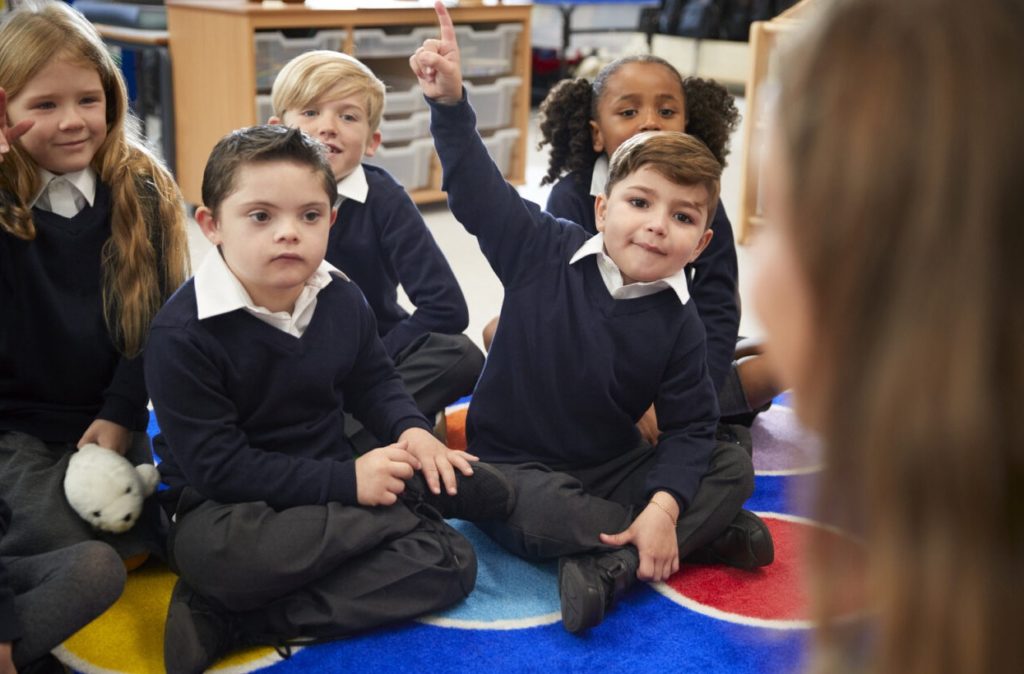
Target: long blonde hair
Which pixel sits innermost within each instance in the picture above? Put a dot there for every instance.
(899, 125)
(145, 258)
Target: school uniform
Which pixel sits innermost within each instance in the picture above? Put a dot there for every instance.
(380, 241)
(714, 283)
(571, 370)
(260, 474)
(60, 369)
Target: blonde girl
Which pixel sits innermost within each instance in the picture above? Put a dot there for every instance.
(890, 293)
(91, 243)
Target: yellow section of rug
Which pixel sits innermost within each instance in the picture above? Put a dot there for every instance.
(129, 637)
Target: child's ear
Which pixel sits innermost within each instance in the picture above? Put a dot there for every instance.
(208, 224)
(373, 144)
(274, 119)
(600, 209)
(596, 138)
(334, 217)
(705, 239)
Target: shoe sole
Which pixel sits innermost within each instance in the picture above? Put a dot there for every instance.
(576, 606)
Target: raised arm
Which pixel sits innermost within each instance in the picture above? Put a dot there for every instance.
(436, 63)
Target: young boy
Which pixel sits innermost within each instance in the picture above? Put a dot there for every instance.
(279, 533)
(381, 240)
(592, 331)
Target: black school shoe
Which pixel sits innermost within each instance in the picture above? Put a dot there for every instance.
(745, 544)
(197, 634)
(589, 584)
(485, 495)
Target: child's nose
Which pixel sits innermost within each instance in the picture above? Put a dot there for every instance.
(71, 119)
(288, 230)
(651, 121)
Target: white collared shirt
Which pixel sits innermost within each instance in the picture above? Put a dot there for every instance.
(600, 177)
(354, 185)
(612, 276)
(218, 291)
(82, 191)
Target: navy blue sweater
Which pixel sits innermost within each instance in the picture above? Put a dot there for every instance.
(59, 368)
(251, 413)
(10, 626)
(571, 369)
(714, 275)
(383, 243)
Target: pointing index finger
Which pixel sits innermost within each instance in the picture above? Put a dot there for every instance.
(444, 19)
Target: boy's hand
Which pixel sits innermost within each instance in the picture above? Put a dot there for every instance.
(648, 427)
(436, 63)
(9, 134)
(654, 535)
(6, 660)
(438, 462)
(381, 474)
(106, 434)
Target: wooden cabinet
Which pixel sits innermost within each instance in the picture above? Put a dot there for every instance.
(219, 54)
(765, 40)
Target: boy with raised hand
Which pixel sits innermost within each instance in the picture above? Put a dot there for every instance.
(280, 533)
(381, 240)
(592, 332)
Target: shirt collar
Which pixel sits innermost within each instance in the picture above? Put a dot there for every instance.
(84, 181)
(600, 177)
(612, 275)
(354, 185)
(218, 291)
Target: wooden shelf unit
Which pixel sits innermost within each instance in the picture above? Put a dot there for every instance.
(765, 39)
(214, 73)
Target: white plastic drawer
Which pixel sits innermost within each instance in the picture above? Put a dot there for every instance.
(501, 145)
(402, 129)
(488, 51)
(274, 49)
(409, 164)
(493, 102)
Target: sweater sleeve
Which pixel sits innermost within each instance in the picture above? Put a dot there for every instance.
(687, 411)
(124, 400)
(716, 293)
(201, 425)
(10, 626)
(423, 272)
(511, 231)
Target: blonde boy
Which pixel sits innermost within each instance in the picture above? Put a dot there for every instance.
(381, 241)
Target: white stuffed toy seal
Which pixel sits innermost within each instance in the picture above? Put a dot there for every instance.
(106, 490)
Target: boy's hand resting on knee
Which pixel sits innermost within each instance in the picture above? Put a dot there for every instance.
(436, 64)
(654, 535)
(381, 474)
(437, 462)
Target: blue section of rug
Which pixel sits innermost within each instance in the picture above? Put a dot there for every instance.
(510, 622)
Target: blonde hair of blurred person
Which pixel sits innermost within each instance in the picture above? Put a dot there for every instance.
(890, 290)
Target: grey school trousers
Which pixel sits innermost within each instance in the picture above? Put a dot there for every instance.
(561, 513)
(319, 571)
(58, 593)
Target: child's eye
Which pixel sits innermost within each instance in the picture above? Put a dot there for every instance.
(349, 117)
(683, 217)
(260, 216)
(628, 114)
(308, 113)
(667, 112)
(45, 105)
(311, 216)
(638, 202)
(89, 100)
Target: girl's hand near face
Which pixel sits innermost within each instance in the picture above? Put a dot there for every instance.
(9, 134)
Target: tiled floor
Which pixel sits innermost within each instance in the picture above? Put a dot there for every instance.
(480, 285)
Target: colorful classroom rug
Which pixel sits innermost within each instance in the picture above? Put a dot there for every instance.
(703, 619)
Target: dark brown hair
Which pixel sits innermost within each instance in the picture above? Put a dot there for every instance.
(258, 144)
(679, 157)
